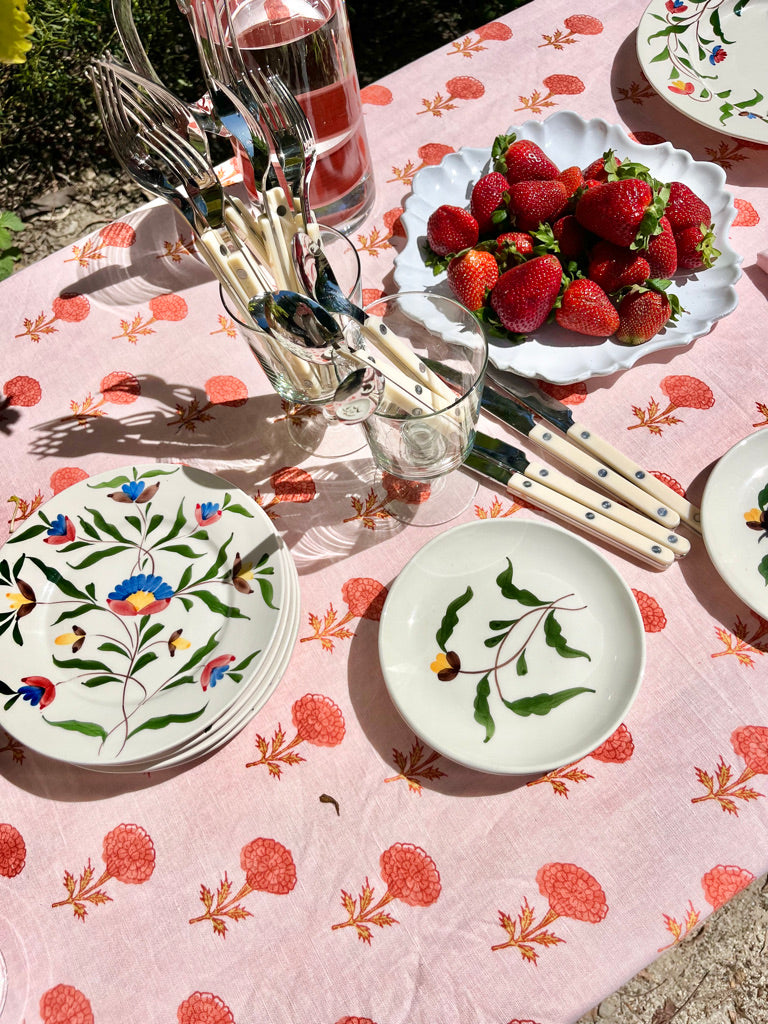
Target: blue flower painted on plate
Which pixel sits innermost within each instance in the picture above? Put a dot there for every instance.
(37, 690)
(61, 530)
(135, 491)
(215, 669)
(140, 595)
(717, 55)
(208, 512)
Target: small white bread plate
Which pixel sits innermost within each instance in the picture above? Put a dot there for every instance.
(511, 647)
(733, 508)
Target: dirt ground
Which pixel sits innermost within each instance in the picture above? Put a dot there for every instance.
(719, 974)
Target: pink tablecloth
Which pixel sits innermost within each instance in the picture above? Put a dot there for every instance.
(617, 851)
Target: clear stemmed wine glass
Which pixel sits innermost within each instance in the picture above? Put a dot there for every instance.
(308, 387)
(416, 451)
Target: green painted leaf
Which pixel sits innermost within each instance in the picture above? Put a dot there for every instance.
(451, 618)
(186, 602)
(31, 531)
(18, 566)
(762, 498)
(9, 703)
(199, 535)
(757, 98)
(6, 624)
(158, 472)
(165, 720)
(118, 481)
(244, 663)
(182, 549)
(5, 688)
(97, 556)
(114, 649)
(218, 562)
(267, 592)
(16, 634)
(99, 681)
(72, 725)
(240, 510)
(496, 624)
(513, 593)
(186, 576)
(178, 522)
(201, 652)
(106, 527)
(182, 681)
(55, 577)
(84, 664)
(483, 714)
(154, 522)
(522, 665)
(543, 703)
(214, 604)
(146, 659)
(553, 634)
(135, 522)
(763, 568)
(150, 633)
(5, 571)
(75, 613)
(494, 641)
(663, 56)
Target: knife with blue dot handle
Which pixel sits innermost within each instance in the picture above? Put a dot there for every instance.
(517, 461)
(514, 413)
(572, 512)
(560, 416)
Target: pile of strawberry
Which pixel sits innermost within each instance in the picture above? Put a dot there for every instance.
(593, 249)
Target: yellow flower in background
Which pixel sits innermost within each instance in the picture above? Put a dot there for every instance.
(15, 30)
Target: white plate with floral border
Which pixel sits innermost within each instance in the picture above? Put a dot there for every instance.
(551, 353)
(511, 647)
(734, 520)
(144, 601)
(708, 61)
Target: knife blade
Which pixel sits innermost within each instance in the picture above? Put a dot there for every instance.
(572, 512)
(518, 462)
(560, 416)
(512, 411)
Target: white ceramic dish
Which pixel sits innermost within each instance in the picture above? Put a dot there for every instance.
(552, 354)
(454, 600)
(180, 589)
(736, 487)
(708, 61)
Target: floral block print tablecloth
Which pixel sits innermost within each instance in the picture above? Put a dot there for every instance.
(325, 865)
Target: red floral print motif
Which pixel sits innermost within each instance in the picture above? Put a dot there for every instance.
(365, 599)
(749, 742)
(654, 619)
(680, 929)
(13, 851)
(268, 867)
(468, 47)
(568, 394)
(410, 875)
(417, 765)
(290, 484)
(70, 307)
(556, 85)
(393, 222)
(496, 30)
(723, 882)
(355, 1020)
(746, 216)
(162, 307)
(378, 240)
(221, 390)
(65, 1004)
(762, 408)
(375, 507)
(649, 138)
(429, 155)
(617, 749)
(463, 87)
(318, 720)
(66, 477)
(496, 509)
(571, 891)
(376, 95)
(741, 644)
(576, 25)
(226, 326)
(683, 392)
(371, 295)
(670, 481)
(129, 856)
(204, 1008)
(118, 235)
(118, 388)
(22, 391)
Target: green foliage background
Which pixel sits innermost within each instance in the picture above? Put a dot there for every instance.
(49, 129)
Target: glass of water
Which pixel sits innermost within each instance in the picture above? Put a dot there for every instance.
(416, 451)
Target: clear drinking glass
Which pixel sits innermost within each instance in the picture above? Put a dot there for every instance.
(417, 452)
(308, 43)
(305, 385)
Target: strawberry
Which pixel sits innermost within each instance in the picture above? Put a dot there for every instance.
(572, 178)
(522, 160)
(488, 198)
(625, 212)
(572, 238)
(531, 202)
(523, 297)
(597, 170)
(685, 208)
(586, 309)
(614, 266)
(451, 229)
(695, 248)
(662, 252)
(513, 247)
(470, 275)
(642, 314)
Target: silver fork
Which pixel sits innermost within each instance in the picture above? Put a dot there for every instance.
(288, 107)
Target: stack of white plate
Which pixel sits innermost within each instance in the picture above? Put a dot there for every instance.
(152, 612)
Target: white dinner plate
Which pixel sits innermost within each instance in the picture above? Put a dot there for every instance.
(551, 353)
(143, 602)
(518, 612)
(708, 61)
(735, 495)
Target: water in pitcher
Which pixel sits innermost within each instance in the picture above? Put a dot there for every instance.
(307, 42)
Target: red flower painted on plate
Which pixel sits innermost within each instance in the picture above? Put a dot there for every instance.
(129, 854)
(38, 690)
(215, 670)
(204, 1008)
(654, 619)
(751, 743)
(22, 391)
(617, 749)
(682, 88)
(225, 390)
(66, 477)
(318, 720)
(268, 866)
(118, 234)
(71, 307)
(376, 95)
(723, 882)
(410, 875)
(365, 597)
(13, 851)
(61, 531)
(120, 388)
(65, 1004)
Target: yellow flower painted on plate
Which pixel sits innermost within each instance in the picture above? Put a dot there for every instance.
(15, 30)
(754, 516)
(17, 601)
(440, 663)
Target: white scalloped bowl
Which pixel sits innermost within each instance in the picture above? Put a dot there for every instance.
(551, 353)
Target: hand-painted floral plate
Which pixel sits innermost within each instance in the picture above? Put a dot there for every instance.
(734, 520)
(551, 353)
(142, 602)
(708, 61)
(511, 647)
